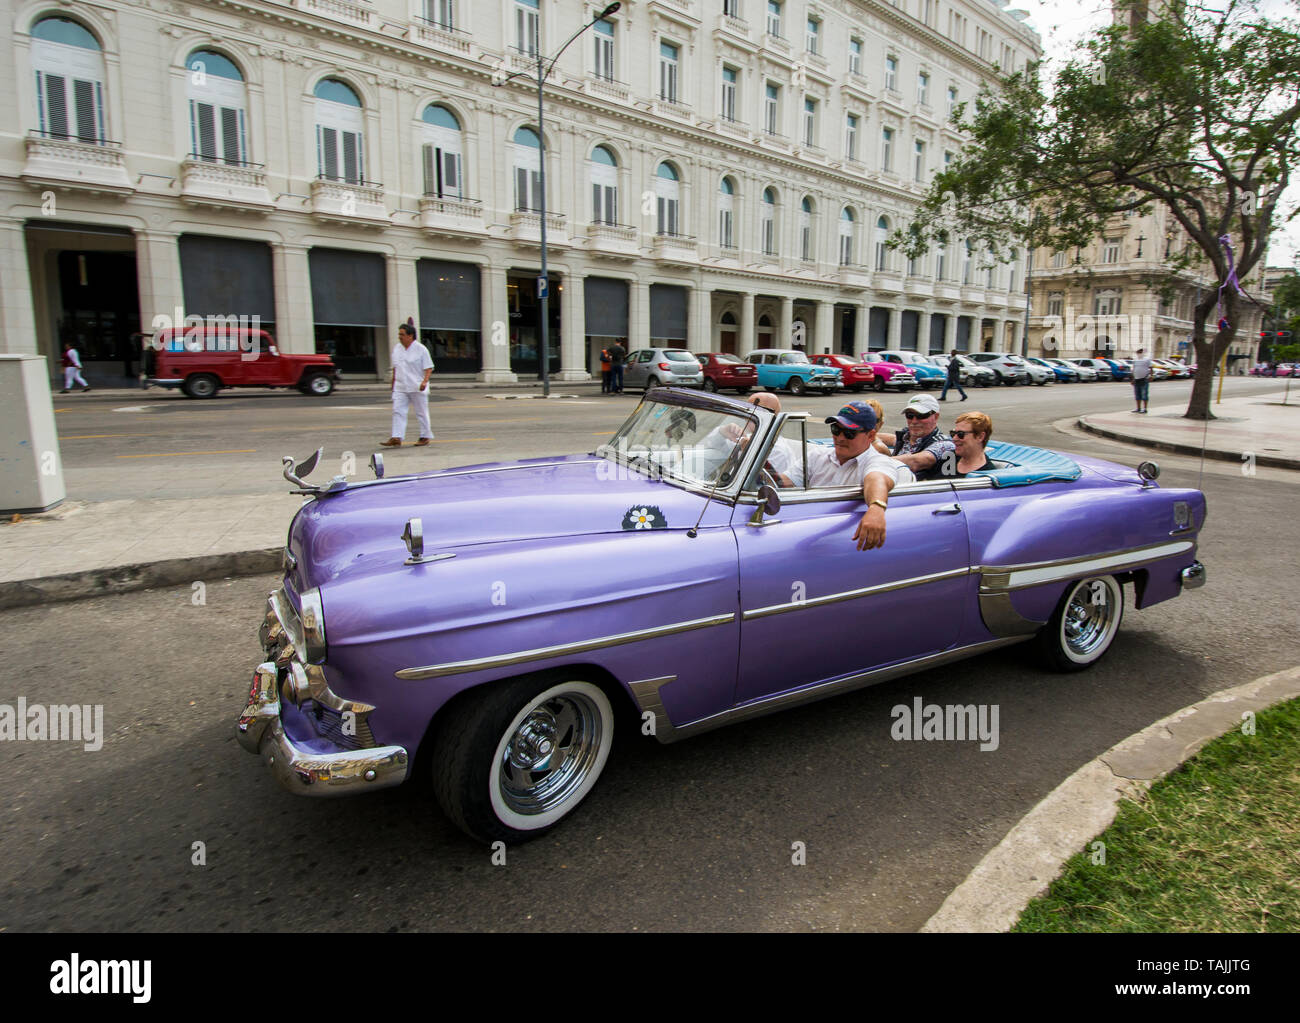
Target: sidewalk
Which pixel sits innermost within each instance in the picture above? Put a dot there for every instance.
(1259, 426)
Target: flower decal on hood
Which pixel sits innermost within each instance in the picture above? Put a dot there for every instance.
(644, 517)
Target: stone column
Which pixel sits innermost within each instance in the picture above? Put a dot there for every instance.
(923, 320)
(950, 332)
(746, 344)
(17, 320)
(861, 326)
(783, 339)
(403, 301)
(699, 330)
(494, 332)
(158, 276)
(295, 329)
(573, 330)
(893, 337)
(638, 315)
(825, 329)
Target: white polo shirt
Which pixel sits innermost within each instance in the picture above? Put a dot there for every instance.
(409, 365)
(825, 470)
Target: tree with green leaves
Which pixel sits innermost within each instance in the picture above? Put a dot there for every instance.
(1190, 107)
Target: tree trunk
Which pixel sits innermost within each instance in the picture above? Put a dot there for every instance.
(1208, 355)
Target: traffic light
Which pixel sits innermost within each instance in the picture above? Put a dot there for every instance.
(1266, 334)
(1284, 334)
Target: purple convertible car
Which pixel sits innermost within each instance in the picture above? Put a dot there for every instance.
(486, 623)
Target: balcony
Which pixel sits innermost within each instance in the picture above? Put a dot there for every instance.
(918, 287)
(224, 185)
(440, 36)
(737, 27)
(608, 88)
(815, 60)
(773, 140)
(346, 202)
(338, 10)
(854, 277)
(64, 162)
(523, 60)
(526, 228)
(450, 217)
(972, 295)
(776, 44)
(612, 241)
(809, 151)
(675, 248)
(671, 108)
(946, 291)
(889, 281)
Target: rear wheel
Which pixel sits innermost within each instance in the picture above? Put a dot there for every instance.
(879, 383)
(201, 385)
(1084, 624)
(511, 760)
(652, 383)
(797, 385)
(709, 385)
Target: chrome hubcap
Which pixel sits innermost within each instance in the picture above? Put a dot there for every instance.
(551, 754)
(1089, 618)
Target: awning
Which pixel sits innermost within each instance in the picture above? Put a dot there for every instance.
(227, 277)
(668, 312)
(606, 307)
(449, 295)
(348, 288)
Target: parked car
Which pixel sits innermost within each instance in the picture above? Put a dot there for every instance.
(926, 374)
(853, 375)
(1176, 370)
(1011, 369)
(780, 369)
(655, 367)
(1039, 375)
(1119, 369)
(1064, 372)
(971, 371)
(890, 375)
(1098, 366)
(724, 370)
(525, 601)
(203, 360)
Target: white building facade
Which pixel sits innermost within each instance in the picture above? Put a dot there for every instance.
(719, 176)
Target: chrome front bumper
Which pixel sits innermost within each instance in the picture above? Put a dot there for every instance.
(306, 772)
(1193, 576)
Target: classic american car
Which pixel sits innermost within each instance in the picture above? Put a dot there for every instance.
(488, 623)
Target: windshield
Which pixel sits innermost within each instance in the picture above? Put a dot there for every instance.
(794, 359)
(689, 443)
(729, 360)
(673, 355)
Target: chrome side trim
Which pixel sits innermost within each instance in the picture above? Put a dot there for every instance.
(1002, 619)
(561, 649)
(866, 591)
(1018, 577)
(801, 495)
(648, 698)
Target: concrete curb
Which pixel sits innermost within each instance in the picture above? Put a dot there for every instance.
(100, 582)
(1032, 854)
(1270, 461)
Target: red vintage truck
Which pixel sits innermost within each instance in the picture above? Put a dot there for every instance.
(201, 360)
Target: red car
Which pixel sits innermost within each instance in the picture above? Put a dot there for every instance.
(853, 375)
(723, 370)
(203, 360)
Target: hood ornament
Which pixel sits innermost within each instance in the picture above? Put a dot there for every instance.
(295, 473)
(413, 537)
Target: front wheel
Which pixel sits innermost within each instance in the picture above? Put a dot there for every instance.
(515, 758)
(201, 385)
(879, 384)
(709, 385)
(1084, 624)
(797, 385)
(318, 384)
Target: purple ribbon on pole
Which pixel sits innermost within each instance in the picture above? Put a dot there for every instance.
(1226, 242)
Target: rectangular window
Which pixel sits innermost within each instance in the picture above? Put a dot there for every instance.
(983, 43)
(929, 9)
(217, 133)
(887, 149)
(805, 239)
(441, 12)
(1055, 304)
(814, 36)
(846, 250)
(442, 176)
(728, 94)
(75, 112)
(891, 74)
(731, 8)
(725, 233)
(919, 169)
(604, 203)
(1106, 304)
(952, 101)
(768, 232)
(1058, 260)
(604, 36)
(340, 155)
(923, 89)
(667, 215)
(774, 18)
(1110, 251)
(855, 56)
(526, 26)
(810, 122)
(947, 158)
(772, 109)
(957, 28)
(528, 188)
(851, 137)
(668, 72)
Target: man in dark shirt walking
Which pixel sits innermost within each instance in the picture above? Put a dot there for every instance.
(954, 377)
(617, 353)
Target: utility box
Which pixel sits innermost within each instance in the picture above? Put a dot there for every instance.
(31, 469)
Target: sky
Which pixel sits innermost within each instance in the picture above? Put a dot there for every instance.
(1062, 23)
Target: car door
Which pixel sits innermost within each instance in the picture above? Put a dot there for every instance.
(815, 608)
(634, 369)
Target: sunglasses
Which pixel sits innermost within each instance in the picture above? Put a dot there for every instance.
(959, 434)
(843, 431)
(919, 415)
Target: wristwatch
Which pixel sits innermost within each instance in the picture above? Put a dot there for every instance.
(879, 502)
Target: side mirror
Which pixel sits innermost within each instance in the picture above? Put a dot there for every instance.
(273, 350)
(770, 504)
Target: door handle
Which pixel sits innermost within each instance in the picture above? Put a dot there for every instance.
(947, 509)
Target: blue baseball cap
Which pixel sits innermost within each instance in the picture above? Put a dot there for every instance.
(856, 415)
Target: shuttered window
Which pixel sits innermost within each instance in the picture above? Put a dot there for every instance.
(218, 133)
(70, 109)
(442, 173)
(340, 155)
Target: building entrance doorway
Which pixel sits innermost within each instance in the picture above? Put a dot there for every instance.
(526, 319)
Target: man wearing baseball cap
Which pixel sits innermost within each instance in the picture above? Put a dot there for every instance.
(1141, 381)
(854, 461)
(921, 447)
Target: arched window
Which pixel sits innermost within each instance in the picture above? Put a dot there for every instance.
(882, 250)
(69, 66)
(528, 169)
(604, 186)
(441, 154)
(668, 196)
(767, 223)
(806, 229)
(218, 105)
(340, 130)
(847, 225)
(726, 214)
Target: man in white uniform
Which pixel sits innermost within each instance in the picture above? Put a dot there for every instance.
(412, 367)
(1141, 381)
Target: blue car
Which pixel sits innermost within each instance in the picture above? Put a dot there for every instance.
(1064, 374)
(926, 375)
(780, 369)
(1119, 370)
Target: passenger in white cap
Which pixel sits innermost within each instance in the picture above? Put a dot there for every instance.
(921, 447)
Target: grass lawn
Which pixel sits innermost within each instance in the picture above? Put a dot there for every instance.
(1214, 846)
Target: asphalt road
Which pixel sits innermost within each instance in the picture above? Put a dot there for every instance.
(697, 835)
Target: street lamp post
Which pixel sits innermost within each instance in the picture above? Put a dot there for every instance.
(1029, 292)
(543, 281)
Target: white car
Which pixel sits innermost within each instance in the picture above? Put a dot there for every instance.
(1011, 369)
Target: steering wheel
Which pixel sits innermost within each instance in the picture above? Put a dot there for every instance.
(767, 477)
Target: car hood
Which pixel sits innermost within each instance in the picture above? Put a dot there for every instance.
(492, 503)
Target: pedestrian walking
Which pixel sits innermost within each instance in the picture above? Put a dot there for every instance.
(617, 354)
(1141, 381)
(604, 370)
(412, 367)
(954, 377)
(71, 362)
